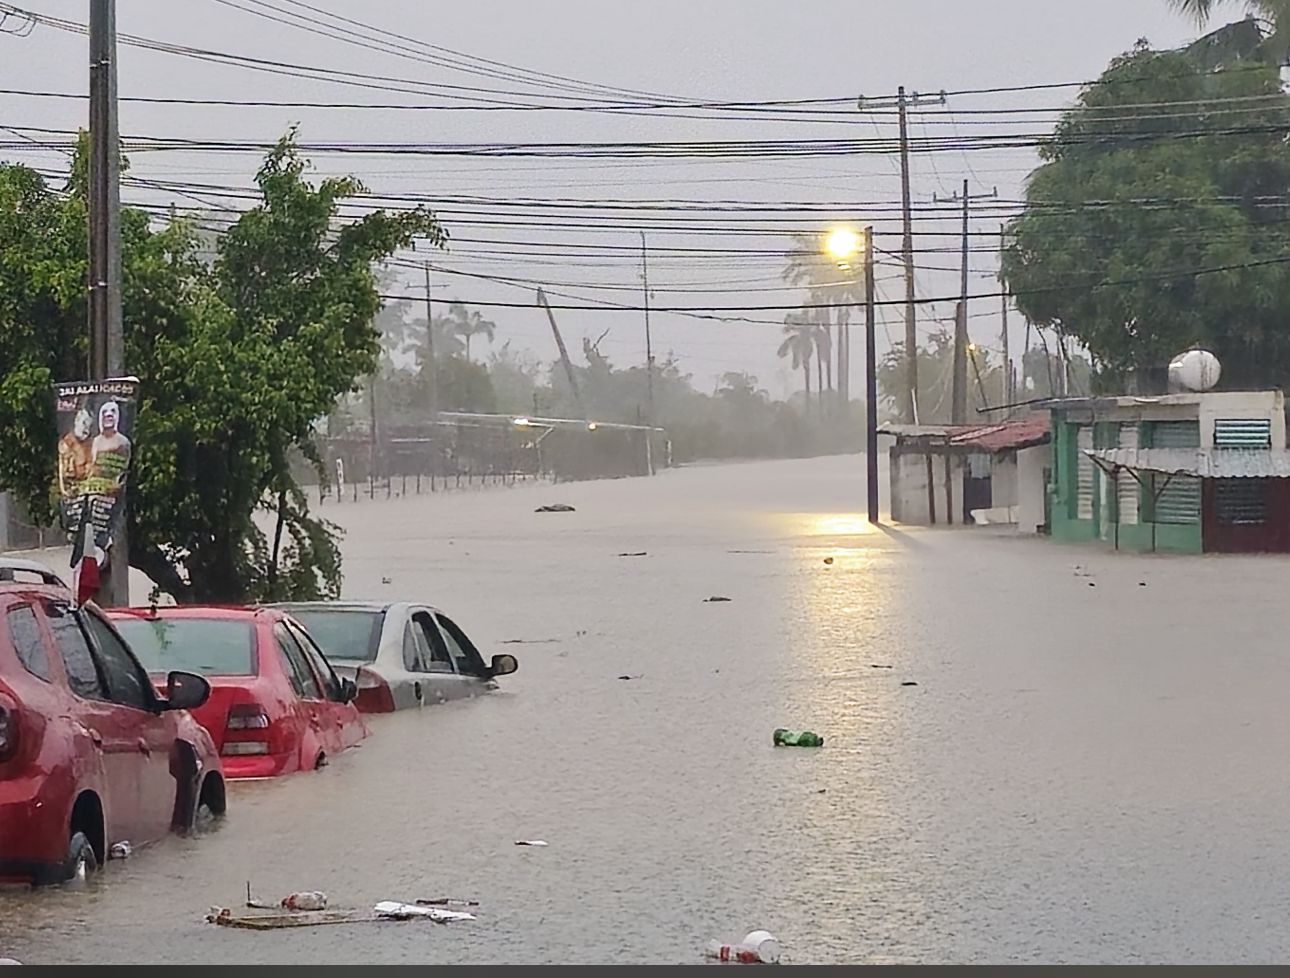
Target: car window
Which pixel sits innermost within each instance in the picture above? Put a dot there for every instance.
(208, 647)
(347, 636)
(127, 683)
(318, 661)
(440, 660)
(464, 654)
(416, 651)
(28, 642)
(82, 672)
(298, 671)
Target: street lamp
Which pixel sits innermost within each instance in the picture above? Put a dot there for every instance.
(842, 244)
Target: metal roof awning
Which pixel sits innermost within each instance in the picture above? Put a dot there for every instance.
(1222, 463)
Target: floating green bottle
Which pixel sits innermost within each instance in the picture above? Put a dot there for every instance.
(797, 738)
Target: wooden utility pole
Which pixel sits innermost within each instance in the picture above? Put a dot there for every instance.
(871, 378)
(107, 339)
(902, 102)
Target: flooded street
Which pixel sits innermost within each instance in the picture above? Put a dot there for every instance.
(1082, 773)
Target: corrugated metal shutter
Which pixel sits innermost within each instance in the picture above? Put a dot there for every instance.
(1243, 433)
(1180, 500)
(1242, 502)
(1129, 489)
(1084, 475)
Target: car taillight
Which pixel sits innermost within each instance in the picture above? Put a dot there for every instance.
(374, 693)
(247, 716)
(8, 729)
(246, 730)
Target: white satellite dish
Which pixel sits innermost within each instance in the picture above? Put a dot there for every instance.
(1195, 370)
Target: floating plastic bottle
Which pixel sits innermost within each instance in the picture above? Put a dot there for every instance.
(759, 947)
(797, 738)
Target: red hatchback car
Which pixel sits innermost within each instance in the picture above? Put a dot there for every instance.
(276, 706)
(90, 755)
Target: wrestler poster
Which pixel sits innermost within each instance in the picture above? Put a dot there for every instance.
(95, 425)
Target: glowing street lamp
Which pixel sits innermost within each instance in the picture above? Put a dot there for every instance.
(842, 245)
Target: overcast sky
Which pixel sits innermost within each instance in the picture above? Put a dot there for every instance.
(709, 50)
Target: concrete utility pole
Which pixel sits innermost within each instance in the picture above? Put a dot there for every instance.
(649, 360)
(959, 397)
(430, 356)
(871, 378)
(902, 102)
(107, 338)
(1008, 391)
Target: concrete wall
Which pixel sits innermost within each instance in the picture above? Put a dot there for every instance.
(1269, 405)
(1031, 487)
(908, 477)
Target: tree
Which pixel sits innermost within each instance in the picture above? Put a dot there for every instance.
(1244, 40)
(839, 290)
(468, 323)
(799, 343)
(238, 360)
(1150, 229)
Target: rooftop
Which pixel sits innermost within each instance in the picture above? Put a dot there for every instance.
(999, 437)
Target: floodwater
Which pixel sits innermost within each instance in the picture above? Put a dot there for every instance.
(1091, 774)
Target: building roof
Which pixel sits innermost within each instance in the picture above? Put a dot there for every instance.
(1222, 463)
(991, 438)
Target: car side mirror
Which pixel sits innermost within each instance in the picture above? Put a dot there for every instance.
(186, 691)
(503, 665)
(348, 691)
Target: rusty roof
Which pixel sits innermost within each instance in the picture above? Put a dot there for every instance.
(1005, 436)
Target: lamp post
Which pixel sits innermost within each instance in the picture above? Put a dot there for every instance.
(842, 245)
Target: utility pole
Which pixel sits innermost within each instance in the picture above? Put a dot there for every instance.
(107, 339)
(649, 361)
(871, 378)
(432, 363)
(1008, 391)
(903, 101)
(959, 397)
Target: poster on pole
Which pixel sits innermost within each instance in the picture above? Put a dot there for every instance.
(95, 427)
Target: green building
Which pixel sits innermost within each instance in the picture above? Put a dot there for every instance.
(1180, 473)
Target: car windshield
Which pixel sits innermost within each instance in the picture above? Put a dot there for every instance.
(343, 634)
(204, 646)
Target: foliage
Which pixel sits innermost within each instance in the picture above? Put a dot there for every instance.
(1238, 42)
(238, 359)
(1123, 214)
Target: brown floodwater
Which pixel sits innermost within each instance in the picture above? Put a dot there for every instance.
(1081, 774)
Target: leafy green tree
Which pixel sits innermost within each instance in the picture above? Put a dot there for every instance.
(1265, 35)
(1140, 241)
(238, 361)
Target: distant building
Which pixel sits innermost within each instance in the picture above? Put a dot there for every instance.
(1185, 473)
(992, 473)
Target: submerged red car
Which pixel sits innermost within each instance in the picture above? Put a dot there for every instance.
(90, 754)
(276, 704)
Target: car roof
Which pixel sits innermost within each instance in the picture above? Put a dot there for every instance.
(12, 567)
(336, 605)
(208, 612)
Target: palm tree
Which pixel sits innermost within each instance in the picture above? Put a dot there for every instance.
(1238, 41)
(838, 289)
(799, 343)
(468, 324)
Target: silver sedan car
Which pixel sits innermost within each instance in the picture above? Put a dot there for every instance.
(400, 655)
